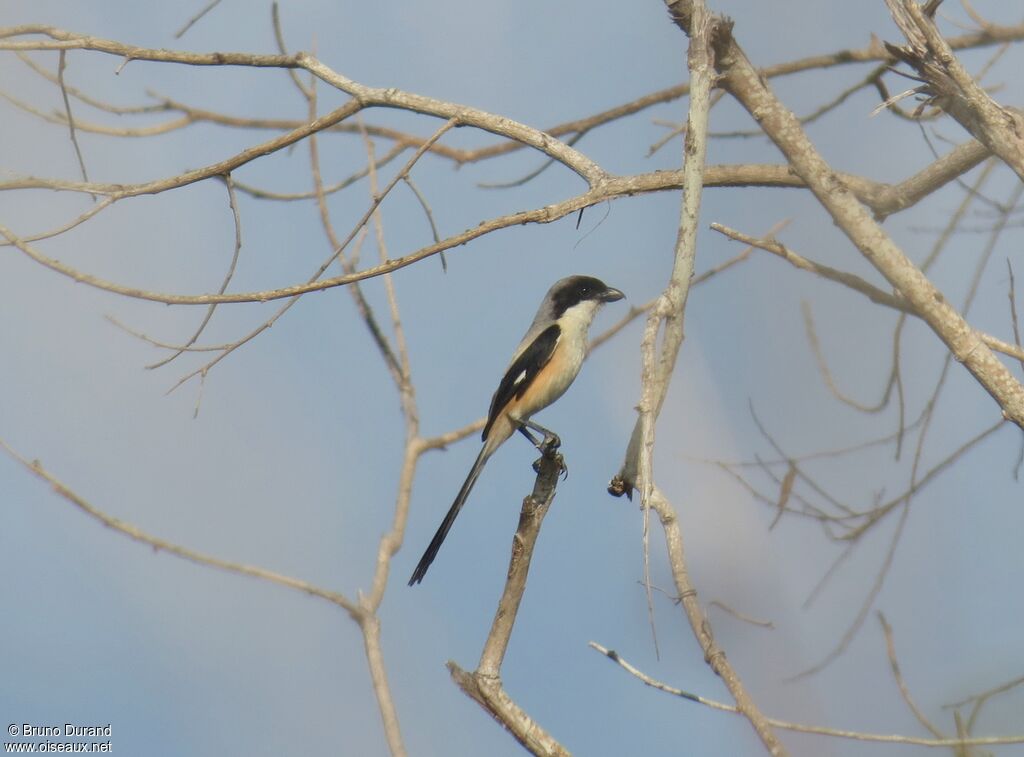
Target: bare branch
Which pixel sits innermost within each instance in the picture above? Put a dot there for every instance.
(853, 282)
(890, 648)
(237, 219)
(614, 656)
(990, 34)
(184, 553)
(61, 65)
(951, 88)
(637, 469)
(741, 79)
(202, 12)
(484, 684)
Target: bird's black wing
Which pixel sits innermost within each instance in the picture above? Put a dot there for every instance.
(522, 372)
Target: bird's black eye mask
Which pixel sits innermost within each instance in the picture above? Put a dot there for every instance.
(581, 289)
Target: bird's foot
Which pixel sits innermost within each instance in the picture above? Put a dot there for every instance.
(550, 453)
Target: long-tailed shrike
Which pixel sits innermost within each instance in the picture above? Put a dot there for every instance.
(543, 366)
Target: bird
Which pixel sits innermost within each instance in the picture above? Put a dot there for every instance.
(545, 363)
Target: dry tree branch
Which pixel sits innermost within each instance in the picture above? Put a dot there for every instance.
(259, 150)
(971, 194)
(614, 656)
(198, 15)
(414, 447)
(398, 367)
(826, 373)
(405, 385)
(1011, 294)
(676, 130)
(237, 219)
(191, 115)
(792, 466)
(484, 684)
(267, 194)
(872, 78)
(867, 520)
(367, 617)
(92, 212)
(894, 665)
(904, 501)
(363, 612)
(853, 522)
(918, 483)
(308, 93)
(714, 655)
(810, 511)
(976, 17)
(611, 188)
(817, 455)
(362, 97)
(884, 199)
(758, 622)
(658, 365)
(867, 603)
(741, 79)
(158, 544)
(422, 200)
(951, 87)
(854, 282)
(979, 700)
(442, 440)
(61, 119)
(856, 522)
(61, 65)
(78, 94)
(635, 311)
(338, 249)
(980, 266)
(162, 344)
(990, 34)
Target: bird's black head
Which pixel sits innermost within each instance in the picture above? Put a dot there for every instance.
(573, 290)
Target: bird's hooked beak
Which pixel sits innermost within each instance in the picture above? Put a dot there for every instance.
(611, 294)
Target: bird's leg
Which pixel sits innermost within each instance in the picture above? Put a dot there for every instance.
(533, 439)
(548, 446)
(551, 440)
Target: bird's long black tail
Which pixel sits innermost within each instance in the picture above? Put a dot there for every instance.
(449, 519)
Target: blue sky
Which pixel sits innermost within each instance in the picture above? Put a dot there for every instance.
(292, 462)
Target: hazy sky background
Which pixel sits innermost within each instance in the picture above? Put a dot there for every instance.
(292, 462)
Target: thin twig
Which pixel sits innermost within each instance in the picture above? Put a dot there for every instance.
(855, 283)
(61, 65)
(430, 217)
(133, 532)
(798, 727)
(275, 22)
(894, 665)
(237, 219)
(188, 24)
